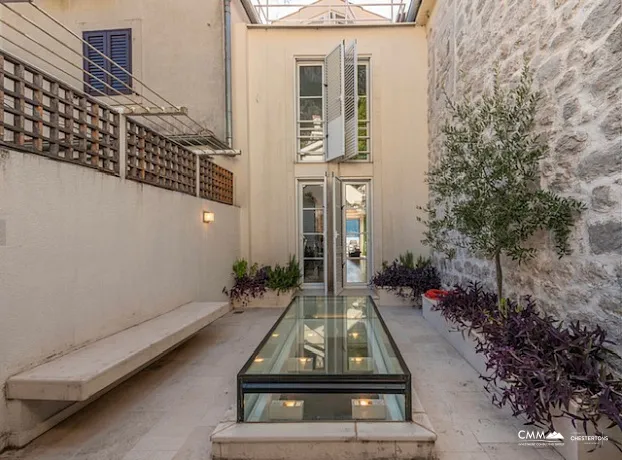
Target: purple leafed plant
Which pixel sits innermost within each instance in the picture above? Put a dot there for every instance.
(538, 365)
(406, 282)
(249, 283)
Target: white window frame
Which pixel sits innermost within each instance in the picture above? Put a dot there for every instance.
(319, 61)
(366, 61)
(300, 183)
(345, 181)
(300, 158)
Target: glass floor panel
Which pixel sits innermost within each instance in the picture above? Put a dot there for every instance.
(326, 358)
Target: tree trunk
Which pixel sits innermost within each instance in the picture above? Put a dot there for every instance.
(499, 276)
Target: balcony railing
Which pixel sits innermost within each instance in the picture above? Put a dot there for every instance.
(44, 116)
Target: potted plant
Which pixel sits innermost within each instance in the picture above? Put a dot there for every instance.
(553, 376)
(265, 286)
(403, 281)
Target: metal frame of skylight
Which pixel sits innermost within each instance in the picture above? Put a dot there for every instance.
(391, 384)
(398, 8)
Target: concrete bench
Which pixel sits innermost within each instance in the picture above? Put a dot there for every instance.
(84, 372)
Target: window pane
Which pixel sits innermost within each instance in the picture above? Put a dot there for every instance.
(312, 196)
(310, 129)
(356, 245)
(356, 223)
(311, 110)
(362, 80)
(313, 246)
(310, 80)
(313, 271)
(356, 196)
(362, 108)
(317, 407)
(356, 271)
(311, 148)
(363, 149)
(312, 221)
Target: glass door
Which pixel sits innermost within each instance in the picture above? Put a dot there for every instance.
(337, 235)
(356, 204)
(312, 225)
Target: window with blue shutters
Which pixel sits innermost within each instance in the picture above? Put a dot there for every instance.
(103, 77)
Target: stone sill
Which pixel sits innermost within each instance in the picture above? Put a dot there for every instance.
(322, 441)
(388, 298)
(271, 299)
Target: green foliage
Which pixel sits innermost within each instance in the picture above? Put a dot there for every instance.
(240, 268)
(251, 283)
(407, 259)
(485, 188)
(423, 262)
(283, 279)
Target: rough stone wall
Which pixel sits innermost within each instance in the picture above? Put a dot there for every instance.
(575, 49)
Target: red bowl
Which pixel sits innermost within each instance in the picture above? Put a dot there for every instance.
(436, 294)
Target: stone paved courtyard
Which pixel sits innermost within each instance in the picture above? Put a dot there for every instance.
(168, 411)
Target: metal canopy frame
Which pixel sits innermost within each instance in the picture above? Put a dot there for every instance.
(202, 141)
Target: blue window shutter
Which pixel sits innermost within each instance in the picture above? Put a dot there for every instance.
(117, 46)
(120, 43)
(95, 62)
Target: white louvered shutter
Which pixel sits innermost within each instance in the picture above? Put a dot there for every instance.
(350, 106)
(334, 103)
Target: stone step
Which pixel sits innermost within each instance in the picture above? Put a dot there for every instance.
(84, 372)
(322, 441)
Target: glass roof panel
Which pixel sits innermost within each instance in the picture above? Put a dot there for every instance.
(327, 336)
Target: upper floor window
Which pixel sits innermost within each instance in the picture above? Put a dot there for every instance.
(364, 123)
(310, 111)
(310, 119)
(103, 76)
(331, 17)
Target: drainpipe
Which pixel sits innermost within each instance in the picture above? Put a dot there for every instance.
(228, 104)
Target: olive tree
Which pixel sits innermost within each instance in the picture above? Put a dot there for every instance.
(485, 191)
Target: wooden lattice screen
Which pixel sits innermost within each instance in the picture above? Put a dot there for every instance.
(41, 115)
(154, 159)
(215, 182)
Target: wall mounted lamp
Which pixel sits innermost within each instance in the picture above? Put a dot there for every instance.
(208, 217)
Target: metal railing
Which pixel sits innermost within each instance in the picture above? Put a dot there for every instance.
(42, 115)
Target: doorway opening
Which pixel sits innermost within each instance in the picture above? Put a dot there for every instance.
(334, 233)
